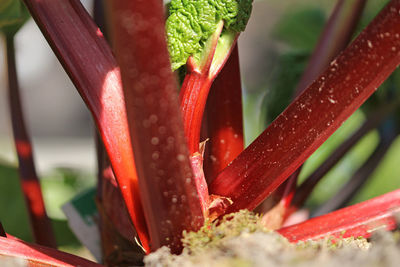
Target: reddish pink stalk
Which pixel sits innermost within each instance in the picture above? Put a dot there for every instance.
(358, 220)
(225, 118)
(35, 255)
(196, 161)
(40, 223)
(350, 79)
(195, 89)
(88, 60)
(193, 97)
(168, 191)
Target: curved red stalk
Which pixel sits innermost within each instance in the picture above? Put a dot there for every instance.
(89, 62)
(350, 79)
(40, 223)
(195, 89)
(194, 92)
(35, 255)
(224, 118)
(168, 191)
(193, 98)
(362, 219)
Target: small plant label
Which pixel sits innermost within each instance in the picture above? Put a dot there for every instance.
(82, 218)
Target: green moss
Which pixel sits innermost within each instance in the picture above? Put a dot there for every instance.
(212, 234)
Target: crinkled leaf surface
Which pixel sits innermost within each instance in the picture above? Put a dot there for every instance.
(192, 22)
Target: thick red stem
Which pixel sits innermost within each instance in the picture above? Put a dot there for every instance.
(35, 255)
(168, 191)
(196, 86)
(224, 118)
(89, 62)
(350, 79)
(196, 161)
(335, 37)
(40, 223)
(362, 219)
(193, 98)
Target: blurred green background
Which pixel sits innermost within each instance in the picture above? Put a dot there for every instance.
(59, 186)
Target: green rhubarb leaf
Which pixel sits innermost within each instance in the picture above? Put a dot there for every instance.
(13, 14)
(192, 22)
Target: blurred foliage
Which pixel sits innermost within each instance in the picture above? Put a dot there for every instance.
(298, 30)
(342, 172)
(61, 185)
(297, 33)
(285, 76)
(13, 214)
(13, 14)
(58, 187)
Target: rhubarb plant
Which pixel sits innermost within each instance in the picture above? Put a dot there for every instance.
(201, 35)
(153, 183)
(204, 46)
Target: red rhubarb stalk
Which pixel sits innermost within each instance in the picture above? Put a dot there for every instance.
(40, 222)
(349, 80)
(20, 253)
(335, 37)
(224, 118)
(168, 191)
(88, 60)
(362, 219)
(195, 89)
(205, 53)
